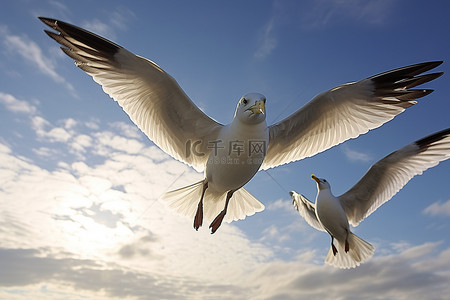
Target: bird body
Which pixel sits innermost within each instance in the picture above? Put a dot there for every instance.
(236, 155)
(233, 161)
(230, 155)
(381, 182)
(331, 215)
(349, 250)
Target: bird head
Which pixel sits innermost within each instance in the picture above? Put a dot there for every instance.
(251, 108)
(322, 184)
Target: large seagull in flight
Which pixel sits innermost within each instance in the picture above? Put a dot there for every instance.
(230, 155)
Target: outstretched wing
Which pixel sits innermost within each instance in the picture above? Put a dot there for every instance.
(306, 209)
(345, 112)
(386, 177)
(152, 98)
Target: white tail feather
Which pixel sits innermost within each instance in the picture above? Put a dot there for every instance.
(359, 252)
(185, 202)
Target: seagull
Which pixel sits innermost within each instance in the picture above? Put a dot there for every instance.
(230, 155)
(381, 182)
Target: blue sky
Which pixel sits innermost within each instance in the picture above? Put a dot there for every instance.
(79, 183)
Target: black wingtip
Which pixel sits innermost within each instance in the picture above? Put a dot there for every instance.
(83, 36)
(433, 138)
(433, 76)
(50, 33)
(398, 83)
(425, 66)
(48, 21)
(419, 93)
(406, 72)
(436, 62)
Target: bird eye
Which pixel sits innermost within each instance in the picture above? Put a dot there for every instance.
(324, 180)
(244, 101)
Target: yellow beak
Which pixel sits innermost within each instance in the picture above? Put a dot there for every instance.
(314, 177)
(258, 108)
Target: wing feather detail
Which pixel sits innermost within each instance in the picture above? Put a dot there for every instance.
(386, 177)
(152, 98)
(346, 112)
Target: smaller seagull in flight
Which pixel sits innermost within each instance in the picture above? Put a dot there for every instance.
(383, 180)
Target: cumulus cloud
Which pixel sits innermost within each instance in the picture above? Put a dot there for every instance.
(48, 132)
(282, 204)
(94, 227)
(15, 105)
(438, 209)
(273, 233)
(83, 278)
(106, 219)
(127, 130)
(395, 276)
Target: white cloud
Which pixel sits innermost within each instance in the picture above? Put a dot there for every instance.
(17, 106)
(45, 151)
(47, 132)
(81, 142)
(94, 124)
(318, 14)
(69, 123)
(395, 276)
(273, 233)
(127, 130)
(281, 204)
(31, 52)
(438, 209)
(61, 8)
(38, 123)
(117, 19)
(109, 140)
(268, 41)
(100, 28)
(120, 17)
(71, 204)
(324, 13)
(354, 155)
(98, 231)
(58, 134)
(84, 228)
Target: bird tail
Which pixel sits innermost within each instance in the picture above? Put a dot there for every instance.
(185, 202)
(359, 251)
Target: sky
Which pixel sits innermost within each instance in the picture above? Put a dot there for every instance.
(79, 183)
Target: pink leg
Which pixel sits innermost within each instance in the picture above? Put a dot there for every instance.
(218, 220)
(198, 220)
